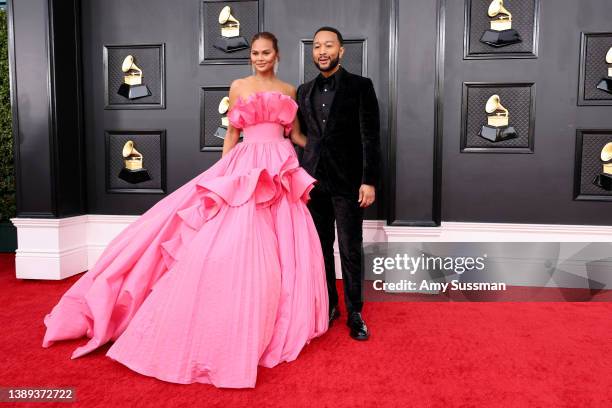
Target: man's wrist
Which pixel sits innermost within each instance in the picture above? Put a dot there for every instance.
(368, 181)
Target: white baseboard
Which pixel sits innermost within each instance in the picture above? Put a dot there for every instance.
(57, 248)
(101, 229)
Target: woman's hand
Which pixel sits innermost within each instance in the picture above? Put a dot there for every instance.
(297, 137)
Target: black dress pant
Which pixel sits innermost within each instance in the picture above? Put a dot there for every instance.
(327, 207)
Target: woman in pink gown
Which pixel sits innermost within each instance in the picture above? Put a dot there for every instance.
(224, 274)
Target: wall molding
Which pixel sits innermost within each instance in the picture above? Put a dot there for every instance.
(391, 186)
(14, 100)
(58, 248)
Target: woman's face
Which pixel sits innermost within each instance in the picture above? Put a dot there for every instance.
(263, 55)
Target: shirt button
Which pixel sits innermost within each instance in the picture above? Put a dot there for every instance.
(323, 105)
(323, 120)
(325, 90)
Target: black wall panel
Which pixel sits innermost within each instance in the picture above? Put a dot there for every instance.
(414, 51)
(525, 188)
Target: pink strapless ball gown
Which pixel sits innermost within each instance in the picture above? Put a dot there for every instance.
(224, 274)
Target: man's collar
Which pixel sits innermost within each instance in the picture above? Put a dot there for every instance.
(331, 80)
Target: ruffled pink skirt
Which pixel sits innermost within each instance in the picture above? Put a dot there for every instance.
(224, 274)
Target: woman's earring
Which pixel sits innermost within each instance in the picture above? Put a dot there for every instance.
(253, 69)
(276, 67)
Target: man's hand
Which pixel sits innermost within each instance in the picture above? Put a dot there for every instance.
(367, 194)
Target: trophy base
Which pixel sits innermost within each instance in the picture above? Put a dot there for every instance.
(500, 38)
(220, 132)
(230, 44)
(605, 85)
(133, 91)
(134, 176)
(497, 134)
(604, 181)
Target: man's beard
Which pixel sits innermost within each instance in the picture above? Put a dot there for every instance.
(333, 63)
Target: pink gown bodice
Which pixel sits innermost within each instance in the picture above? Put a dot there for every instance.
(264, 117)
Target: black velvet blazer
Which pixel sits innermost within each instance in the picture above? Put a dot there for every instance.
(350, 143)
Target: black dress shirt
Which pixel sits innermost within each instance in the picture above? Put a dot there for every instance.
(323, 96)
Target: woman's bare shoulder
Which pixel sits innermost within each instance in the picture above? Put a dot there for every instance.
(240, 83)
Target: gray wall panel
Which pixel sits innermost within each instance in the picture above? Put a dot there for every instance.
(525, 188)
(32, 97)
(176, 25)
(480, 187)
(113, 22)
(354, 19)
(415, 114)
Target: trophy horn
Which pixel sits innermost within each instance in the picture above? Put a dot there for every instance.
(609, 56)
(128, 64)
(225, 16)
(606, 153)
(224, 105)
(494, 104)
(130, 150)
(497, 7)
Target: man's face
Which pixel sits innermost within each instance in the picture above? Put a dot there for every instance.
(326, 50)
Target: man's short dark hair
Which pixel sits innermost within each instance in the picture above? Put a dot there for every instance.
(333, 30)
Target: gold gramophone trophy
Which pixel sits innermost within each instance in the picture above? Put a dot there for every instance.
(497, 128)
(604, 179)
(230, 39)
(606, 83)
(132, 86)
(133, 172)
(501, 32)
(223, 108)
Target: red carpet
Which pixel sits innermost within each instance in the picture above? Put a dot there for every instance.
(430, 354)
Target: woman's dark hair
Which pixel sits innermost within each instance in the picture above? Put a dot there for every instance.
(268, 36)
(333, 30)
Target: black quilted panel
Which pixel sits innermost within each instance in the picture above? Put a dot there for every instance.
(522, 11)
(515, 99)
(595, 66)
(591, 165)
(246, 12)
(146, 58)
(211, 119)
(149, 145)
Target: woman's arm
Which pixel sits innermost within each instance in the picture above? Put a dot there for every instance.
(231, 139)
(297, 137)
(233, 134)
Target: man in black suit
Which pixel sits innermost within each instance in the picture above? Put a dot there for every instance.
(339, 115)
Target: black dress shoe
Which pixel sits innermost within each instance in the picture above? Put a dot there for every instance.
(359, 330)
(334, 313)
